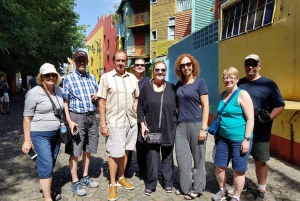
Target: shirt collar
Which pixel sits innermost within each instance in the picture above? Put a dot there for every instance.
(79, 74)
(114, 72)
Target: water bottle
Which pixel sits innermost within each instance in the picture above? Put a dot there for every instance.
(63, 128)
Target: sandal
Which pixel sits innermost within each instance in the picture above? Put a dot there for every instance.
(189, 196)
(54, 195)
(178, 192)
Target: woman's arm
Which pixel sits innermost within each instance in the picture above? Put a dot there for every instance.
(140, 112)
(205, 113)
(27, 145)
(248, 109)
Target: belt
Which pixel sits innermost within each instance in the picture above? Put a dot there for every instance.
(89, 113)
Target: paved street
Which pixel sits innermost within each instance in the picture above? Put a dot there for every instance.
(19, 178)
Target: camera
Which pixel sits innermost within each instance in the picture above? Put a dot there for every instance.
(264, 115)
(57, 112)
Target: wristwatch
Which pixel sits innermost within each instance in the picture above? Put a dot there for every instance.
(247, 138)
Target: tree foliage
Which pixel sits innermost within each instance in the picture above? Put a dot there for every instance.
(33, 32)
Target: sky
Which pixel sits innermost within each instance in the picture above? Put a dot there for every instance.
(91, 10)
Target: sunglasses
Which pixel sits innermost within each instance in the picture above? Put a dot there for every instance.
(251, 64)
(228, 78)
(48, 75)
(188, 64)
(163, 70)
(141, 65)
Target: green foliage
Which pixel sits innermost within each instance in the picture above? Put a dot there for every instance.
(33, 32)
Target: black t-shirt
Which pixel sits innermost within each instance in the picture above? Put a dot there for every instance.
(265, 95)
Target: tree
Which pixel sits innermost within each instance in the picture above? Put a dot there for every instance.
(33, 32)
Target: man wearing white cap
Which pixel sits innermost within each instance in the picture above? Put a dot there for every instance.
(268, 104)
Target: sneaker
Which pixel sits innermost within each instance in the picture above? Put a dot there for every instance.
(219, 196)
(112, 193)
(260, 195)
(77, 189)
(125, 184)
(231, 190)
(147, 192)
(234, 199)
(87, 181)
(7, 112)
(168, 189)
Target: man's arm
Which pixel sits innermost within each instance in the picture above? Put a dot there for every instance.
(276, 111)
(67, 115)
(103, 127)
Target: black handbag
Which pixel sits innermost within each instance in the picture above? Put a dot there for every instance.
(156, 137)
(66, 136)
(215, 126)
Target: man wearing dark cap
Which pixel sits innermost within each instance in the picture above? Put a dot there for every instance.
(80, 97)
(268, 104)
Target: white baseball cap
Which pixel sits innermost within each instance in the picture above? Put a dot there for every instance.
(47, 68)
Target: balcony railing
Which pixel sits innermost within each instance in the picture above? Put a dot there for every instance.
(138, 19)
(138, 50)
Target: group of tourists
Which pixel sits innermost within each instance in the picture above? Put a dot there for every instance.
(152, 116)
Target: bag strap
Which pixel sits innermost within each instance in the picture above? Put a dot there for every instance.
(161, 103)
(53, 105)
(227, 102)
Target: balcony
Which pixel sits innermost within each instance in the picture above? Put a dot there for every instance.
(140, 19)
(137, 51)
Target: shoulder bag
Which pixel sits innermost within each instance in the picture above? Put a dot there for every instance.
(156, 138)
(215, 126)
(66, 136)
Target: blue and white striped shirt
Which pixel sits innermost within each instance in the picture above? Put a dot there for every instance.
(78, 88)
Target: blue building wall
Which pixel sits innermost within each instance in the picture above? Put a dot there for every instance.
(203, 45)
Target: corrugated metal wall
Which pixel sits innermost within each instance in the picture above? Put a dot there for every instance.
(183, 25)
(203, 13)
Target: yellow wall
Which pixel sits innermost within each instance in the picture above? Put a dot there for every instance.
(163, 46)
(160, 13)
(278, 46)
(96, 59)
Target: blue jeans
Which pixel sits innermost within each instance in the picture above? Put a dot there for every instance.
(46, 145)
(227, 150)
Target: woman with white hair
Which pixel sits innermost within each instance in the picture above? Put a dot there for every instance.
(41, 125)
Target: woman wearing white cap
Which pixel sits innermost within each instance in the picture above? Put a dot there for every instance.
(41, 123)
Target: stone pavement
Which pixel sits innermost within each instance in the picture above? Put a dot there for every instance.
(19, 178)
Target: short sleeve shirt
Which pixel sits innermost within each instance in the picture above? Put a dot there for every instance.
(120, 92)
(188, 100)
(78, 89)
(265, 95)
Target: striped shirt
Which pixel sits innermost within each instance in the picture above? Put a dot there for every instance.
(120, 92)
(77, 89)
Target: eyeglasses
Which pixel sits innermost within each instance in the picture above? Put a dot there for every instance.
(48, 75)
(251, 64)
(120, 60)
(188, 64)
(141, 65)
(228, 78)
(163, 70)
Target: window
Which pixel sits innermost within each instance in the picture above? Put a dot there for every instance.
(183, 5)
(153, 1)
(171, 28)
(245, 16)
(154, 35)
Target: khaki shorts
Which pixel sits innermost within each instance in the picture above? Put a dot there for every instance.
(120, 139)
(5, 98)
(261, 151)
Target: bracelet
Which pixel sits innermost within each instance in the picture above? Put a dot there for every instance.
(204, 129)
